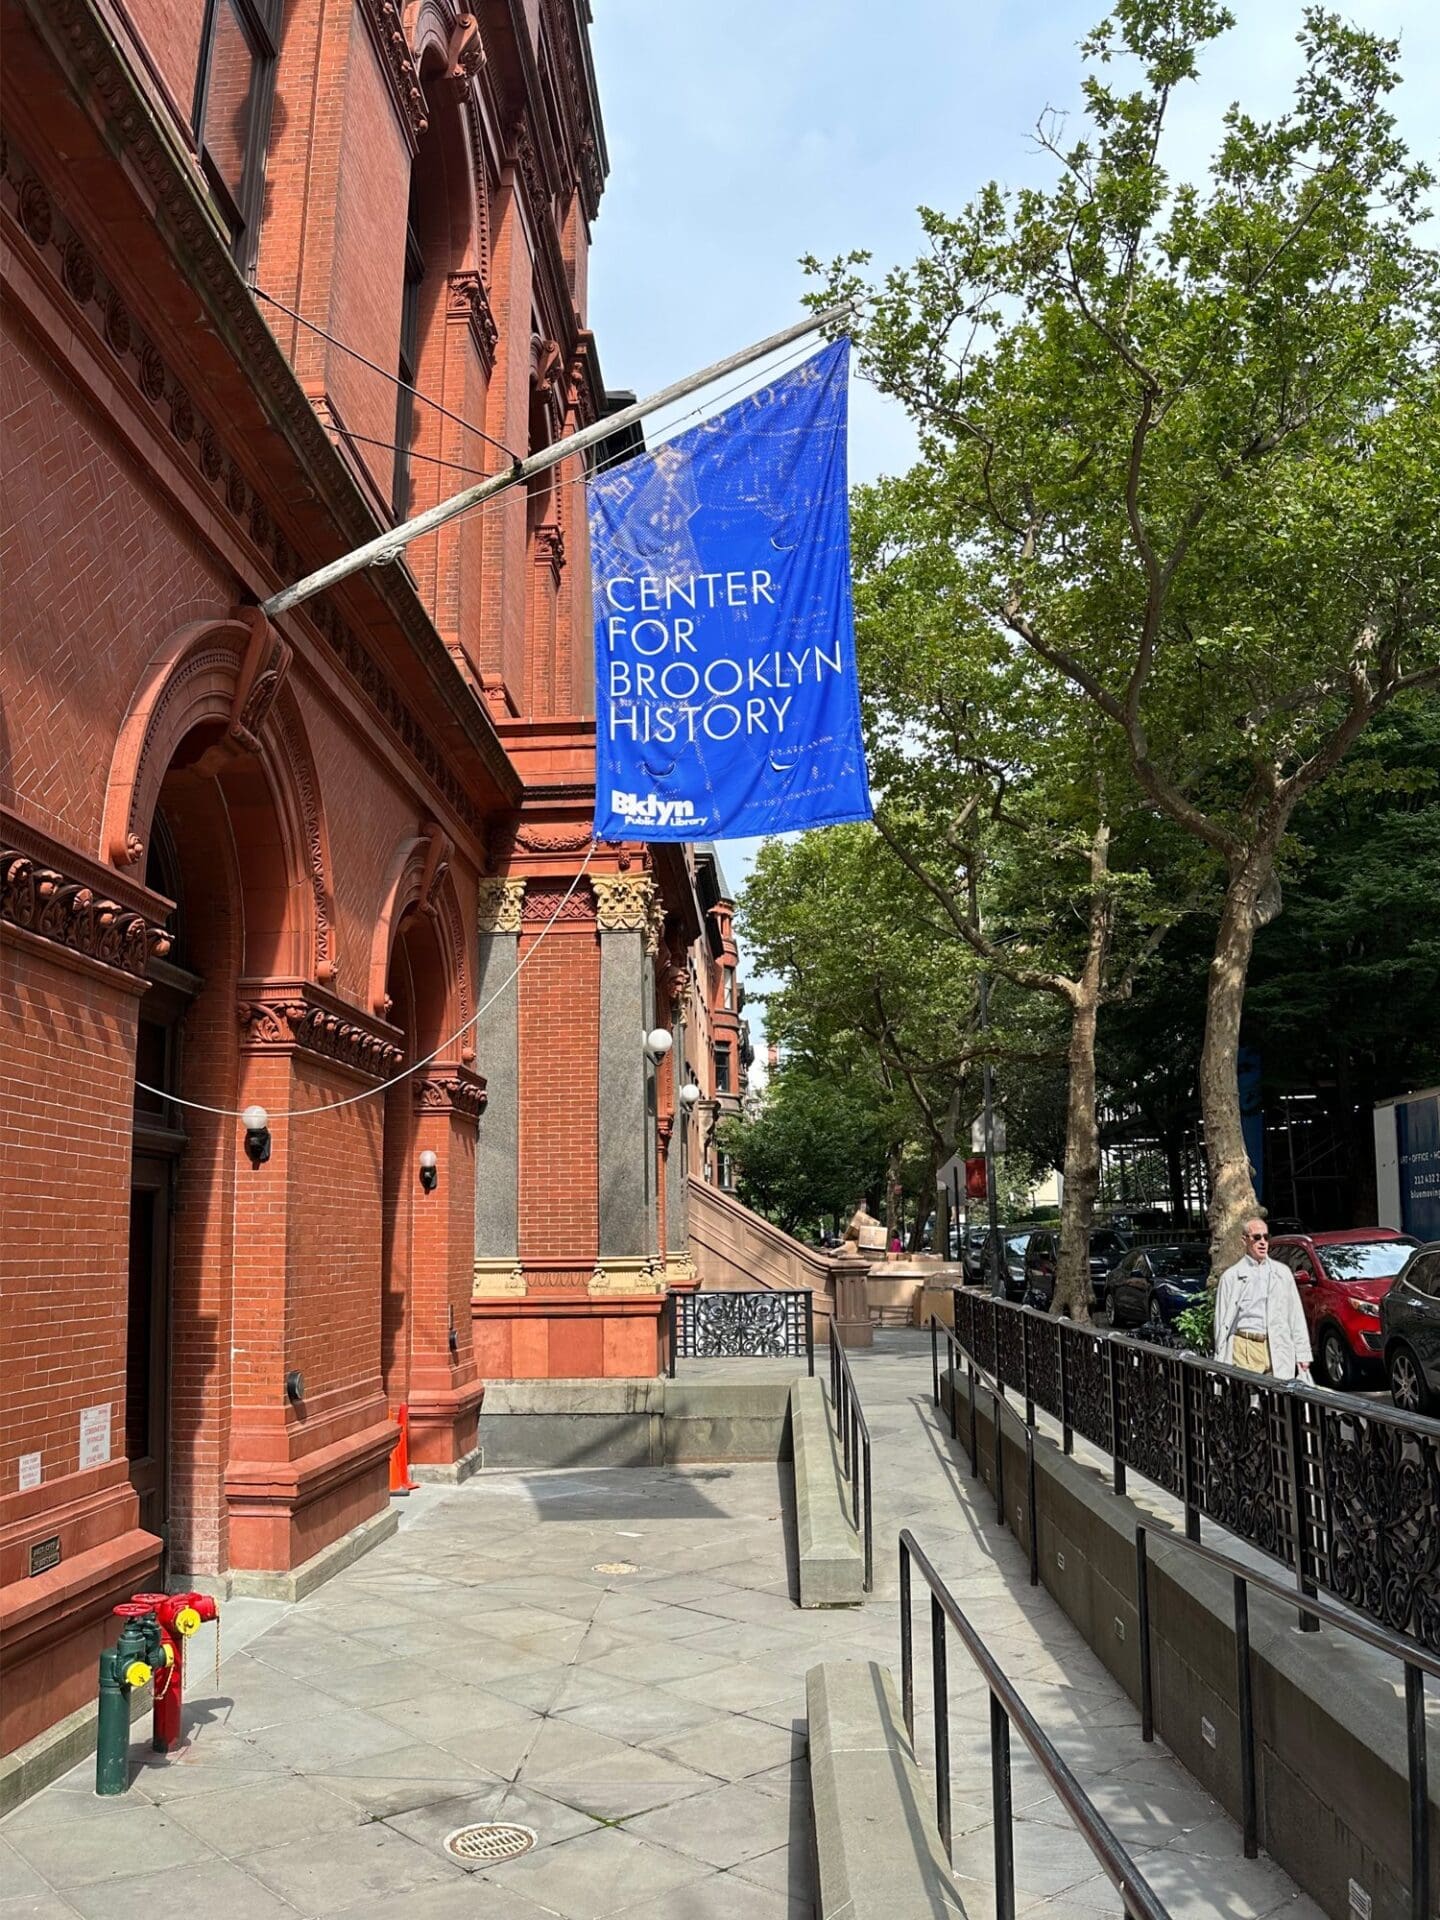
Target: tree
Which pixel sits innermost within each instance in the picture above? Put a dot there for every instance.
(869, 990)
(812, 1150)
(999, 793)
(1187, 442)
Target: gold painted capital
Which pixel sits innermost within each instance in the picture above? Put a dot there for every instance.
(499, 905)
(624, 903)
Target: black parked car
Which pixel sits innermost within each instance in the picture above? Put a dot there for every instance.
(1410, 1328)
(1154, 1285)
(1106, 1250)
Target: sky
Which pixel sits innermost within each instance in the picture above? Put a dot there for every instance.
(744, 135)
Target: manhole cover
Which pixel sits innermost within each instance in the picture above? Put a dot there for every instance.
(614, 1566)
(489, 1841)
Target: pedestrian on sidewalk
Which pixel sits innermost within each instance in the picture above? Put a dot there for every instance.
(1259, 1324)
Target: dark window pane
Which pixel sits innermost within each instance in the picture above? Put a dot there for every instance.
(139, 1328)
(230, 101)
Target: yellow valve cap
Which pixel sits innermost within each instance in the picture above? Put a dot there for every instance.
(169, 1653)
(186, 1620)
(137, 1674)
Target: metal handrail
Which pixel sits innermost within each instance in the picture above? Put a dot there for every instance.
(1416, 1661)
(1006, 1708)
(996, 1391)
(853, 1432)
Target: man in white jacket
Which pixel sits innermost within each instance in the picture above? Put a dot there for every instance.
(1259, 1324)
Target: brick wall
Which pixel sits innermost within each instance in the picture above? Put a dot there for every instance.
(559, 1092)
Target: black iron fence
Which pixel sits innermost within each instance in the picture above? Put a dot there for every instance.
(854, 1436)
(1007, 1710)
(1415, 1662)
(1343, 1492)
(714, 1325)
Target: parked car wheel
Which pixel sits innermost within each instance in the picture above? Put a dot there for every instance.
(1337, 1363)
(1407, 1383)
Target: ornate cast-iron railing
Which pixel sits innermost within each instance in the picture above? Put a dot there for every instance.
(1415, 1663)
(1344, 1492)
(717, 1325)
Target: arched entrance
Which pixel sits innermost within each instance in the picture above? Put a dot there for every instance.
(202, 800)
(415, 988)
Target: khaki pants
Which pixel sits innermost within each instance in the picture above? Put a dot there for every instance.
(1252, 1352)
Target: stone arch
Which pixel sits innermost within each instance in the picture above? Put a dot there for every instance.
(215, 693)
(449, 54)
(420, 881)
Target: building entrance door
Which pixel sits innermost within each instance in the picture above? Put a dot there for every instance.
(147, 1360)
(159, 1142)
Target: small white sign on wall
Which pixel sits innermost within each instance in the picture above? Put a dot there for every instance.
(95, 1436)
(29, 1471)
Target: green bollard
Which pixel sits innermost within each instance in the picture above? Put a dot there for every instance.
(127, 1665)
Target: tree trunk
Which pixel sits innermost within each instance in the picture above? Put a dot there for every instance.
(1251, 901)
(1175, 1180)
(1082, 1120)
(1082, 1166)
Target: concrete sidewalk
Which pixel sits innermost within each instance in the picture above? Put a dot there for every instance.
(612, 1659)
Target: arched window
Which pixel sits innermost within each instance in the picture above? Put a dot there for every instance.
(233, 90)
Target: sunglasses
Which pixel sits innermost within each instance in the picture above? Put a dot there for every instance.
(1257, 1236)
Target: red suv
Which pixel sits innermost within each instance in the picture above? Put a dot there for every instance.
(1341, 1279)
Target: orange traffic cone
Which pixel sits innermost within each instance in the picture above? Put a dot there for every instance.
(400, 1481)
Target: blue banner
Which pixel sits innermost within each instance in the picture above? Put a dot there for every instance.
(726, 700)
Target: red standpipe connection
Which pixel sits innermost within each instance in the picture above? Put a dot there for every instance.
(179, 1615)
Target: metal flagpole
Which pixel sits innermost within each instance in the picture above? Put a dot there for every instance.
(389, 546)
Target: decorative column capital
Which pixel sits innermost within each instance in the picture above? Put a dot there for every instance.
(499, 905)
(624, 903)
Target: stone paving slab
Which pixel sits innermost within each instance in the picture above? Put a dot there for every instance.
(612, 1658)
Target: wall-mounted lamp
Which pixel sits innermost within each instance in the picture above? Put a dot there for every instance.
(689, 1094)
(256, 1122)
(658, 1042)
(429, 1171)
(453, 1338)
(295, 1386)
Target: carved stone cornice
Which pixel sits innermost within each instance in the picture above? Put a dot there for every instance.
(446, 1087)
(469, 302)
(387, 31)
(288, 1016)
(70, 910)
(499, 905)
(624, 902)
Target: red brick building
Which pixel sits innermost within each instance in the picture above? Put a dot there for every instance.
(276, 865)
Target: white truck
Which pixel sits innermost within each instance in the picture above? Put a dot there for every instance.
(1407, 1163)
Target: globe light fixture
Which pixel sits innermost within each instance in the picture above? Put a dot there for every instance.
(689, 1094)
(429, 1170)
(256, 1122)
(658, 1043)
